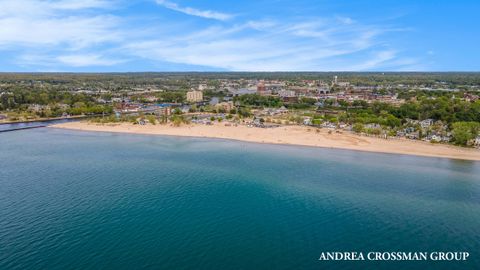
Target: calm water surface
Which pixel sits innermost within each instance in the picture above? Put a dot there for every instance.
(81, 200)
(23, 125)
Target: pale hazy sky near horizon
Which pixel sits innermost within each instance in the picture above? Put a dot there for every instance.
(251, 35)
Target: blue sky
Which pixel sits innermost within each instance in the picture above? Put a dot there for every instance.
(257, 35)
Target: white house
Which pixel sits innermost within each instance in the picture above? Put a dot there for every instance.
(426, 123)
(477, 141)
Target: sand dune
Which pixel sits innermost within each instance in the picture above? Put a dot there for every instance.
(296, 135)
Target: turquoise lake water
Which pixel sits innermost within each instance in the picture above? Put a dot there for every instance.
(82, 200)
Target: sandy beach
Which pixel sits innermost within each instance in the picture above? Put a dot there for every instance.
(295, 135)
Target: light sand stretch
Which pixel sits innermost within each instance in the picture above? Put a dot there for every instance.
(296, 135)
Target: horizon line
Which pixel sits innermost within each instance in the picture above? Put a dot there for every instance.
(119, 72)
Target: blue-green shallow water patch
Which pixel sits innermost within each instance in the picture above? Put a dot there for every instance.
(83, 200)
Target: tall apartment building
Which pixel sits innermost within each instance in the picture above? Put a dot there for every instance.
(194, 96)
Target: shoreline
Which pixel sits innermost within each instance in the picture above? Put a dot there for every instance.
(43, 120)
(287, 135)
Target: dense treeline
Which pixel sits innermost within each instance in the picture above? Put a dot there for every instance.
(258, 101)
(441, 109)
(16, 98)
(182, 80)
(461, 118)
(52, 102)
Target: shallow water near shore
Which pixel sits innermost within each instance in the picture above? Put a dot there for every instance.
(86, 200)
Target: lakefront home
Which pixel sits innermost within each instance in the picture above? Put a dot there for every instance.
(477, 142)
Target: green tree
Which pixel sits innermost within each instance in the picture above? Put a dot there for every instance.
(177, 111)
(358, 128)
(464, 132)
(152, 119)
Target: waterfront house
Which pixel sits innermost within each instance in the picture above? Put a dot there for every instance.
(435, 138)
(447, 138)
(409, 130)
(343, 125)
(307, 121)
(413, 135)
(426, 123)
(476, 142)
(373, 126)
(328, 124)
(38, 108)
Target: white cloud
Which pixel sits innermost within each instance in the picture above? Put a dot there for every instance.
(377, 60)
(208, 14)
(74, 32)
(83, 4)
(43, 8)
(69, 60)
(345, 20)
(51, 23)
(42, 30)
(271, 46)
(85, 60)
(67, 33)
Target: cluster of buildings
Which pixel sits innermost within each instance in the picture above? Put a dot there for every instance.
(320, 90)
(126, 107)
(427, 130)
(288, 91)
